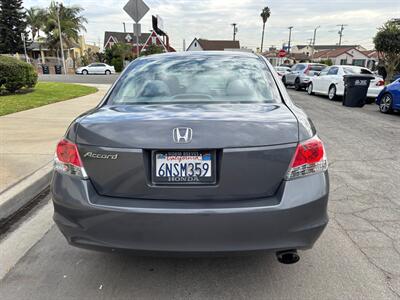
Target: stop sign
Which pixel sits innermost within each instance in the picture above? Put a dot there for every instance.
(281, 53)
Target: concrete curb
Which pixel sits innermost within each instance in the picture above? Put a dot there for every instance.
(22, 193)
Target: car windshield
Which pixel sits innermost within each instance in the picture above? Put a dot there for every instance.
(195, 78)
(350, 70)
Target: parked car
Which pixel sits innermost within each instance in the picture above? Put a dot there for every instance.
(96, 68)
(301, 74)
(193, 152)
(282, 71)
(389, 98)
(330, 82)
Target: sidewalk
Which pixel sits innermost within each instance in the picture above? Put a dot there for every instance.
(28, 138)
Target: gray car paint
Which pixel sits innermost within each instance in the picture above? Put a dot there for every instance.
(104, 210)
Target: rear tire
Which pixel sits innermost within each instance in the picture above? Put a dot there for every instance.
(310, 89)
(85, 72)
(385, 106)
(284, 81)
(332, 93)
(297, 86)
(108, 72)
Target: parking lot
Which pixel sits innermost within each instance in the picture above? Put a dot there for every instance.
(358, 256)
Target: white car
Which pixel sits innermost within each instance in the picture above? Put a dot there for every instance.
(282, 71)
(330, 81)
(96, 68)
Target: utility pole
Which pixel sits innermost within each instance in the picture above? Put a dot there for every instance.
(341, 32)
(61, 42)
(184, 45)
(313, 43)
(234, 30)
(290, 38)
(310, 41)
(124, 26)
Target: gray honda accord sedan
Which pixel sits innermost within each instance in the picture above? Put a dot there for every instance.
(193, 152)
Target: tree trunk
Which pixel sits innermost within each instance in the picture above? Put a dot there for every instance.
(262, 38)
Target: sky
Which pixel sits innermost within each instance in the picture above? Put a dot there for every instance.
(212, 19)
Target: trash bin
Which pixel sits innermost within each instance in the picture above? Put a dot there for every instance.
(45, 69)
(57, 69)
(355, 89)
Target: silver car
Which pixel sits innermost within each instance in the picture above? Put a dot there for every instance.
(96, 68)
(193, 152)
(300, 75)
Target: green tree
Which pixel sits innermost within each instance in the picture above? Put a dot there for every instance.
(35, 19)
(387, 43)
(71, 21)
(152, 49)
(265, 14)
(117, 54)
(12, 26)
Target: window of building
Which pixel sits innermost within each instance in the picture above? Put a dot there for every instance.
(343, 61)
(359, 62)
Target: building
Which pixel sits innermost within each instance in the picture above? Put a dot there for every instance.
(346, 56)
(213, 45)
(145, 39)
(307, 49)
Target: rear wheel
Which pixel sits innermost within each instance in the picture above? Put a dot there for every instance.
(332, 92)
(108, 72)
(284, 81)
(297, 85)
(85, 72)
(386, 104)
(310, 89)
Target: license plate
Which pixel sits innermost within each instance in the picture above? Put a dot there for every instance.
(184, 167)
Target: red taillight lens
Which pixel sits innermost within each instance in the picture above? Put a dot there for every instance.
(307, 70)
(309, 158)
(67, 152)
(308, 152)
(380, 83)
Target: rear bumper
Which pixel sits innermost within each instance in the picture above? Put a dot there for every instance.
(294, 218)
(373, 92)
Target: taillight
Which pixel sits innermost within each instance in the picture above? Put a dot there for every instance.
(67, 159)
(380, 83)
(309, 158)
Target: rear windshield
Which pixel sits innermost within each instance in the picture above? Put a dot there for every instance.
(316, 68)
(195, 78)
(350, 70)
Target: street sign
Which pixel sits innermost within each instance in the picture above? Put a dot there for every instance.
(281, 53)
(137, 29)
(136, 9)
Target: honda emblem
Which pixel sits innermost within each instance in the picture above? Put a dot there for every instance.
(182, 135)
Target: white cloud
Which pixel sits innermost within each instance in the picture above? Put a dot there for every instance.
(186, 19)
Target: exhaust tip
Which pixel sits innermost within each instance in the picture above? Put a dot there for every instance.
(288, 257)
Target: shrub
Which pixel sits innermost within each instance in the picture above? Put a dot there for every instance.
(118, 64)
(15, 74)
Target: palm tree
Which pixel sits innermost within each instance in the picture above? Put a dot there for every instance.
(265, 14)
(35, 20)
(71, 22)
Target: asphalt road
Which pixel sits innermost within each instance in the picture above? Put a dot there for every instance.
(89, 79)
(357, 257)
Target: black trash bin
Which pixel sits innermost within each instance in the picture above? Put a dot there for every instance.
(355, 89)
(45, 69)
(57, 69)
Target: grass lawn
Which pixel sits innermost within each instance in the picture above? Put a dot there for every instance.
(44, 93)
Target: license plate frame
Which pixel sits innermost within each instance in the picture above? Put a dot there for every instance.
(157, 180)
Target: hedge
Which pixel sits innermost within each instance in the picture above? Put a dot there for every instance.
(16, 74)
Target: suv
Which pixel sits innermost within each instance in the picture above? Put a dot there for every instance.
(300, 75)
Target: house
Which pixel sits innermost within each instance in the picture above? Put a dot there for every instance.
(208, 45)
(291, 58)
(344, 56)
(307, 49)
(145, 39)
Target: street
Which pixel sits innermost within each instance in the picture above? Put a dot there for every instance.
(357, 257)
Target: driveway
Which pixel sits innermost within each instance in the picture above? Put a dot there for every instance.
(357, 257)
